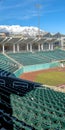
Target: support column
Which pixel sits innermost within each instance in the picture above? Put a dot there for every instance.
(38, 47)
(42, 47)
(17, 47)
(30, 47)
(3, 49)
(13, 48)
(62, 43)
(49, 46)
(27, 47)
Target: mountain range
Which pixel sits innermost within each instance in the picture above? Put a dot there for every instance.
(27, 31)
(17, 29)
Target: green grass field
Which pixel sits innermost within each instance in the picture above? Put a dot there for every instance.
(52, 78)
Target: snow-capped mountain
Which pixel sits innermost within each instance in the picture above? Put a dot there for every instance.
(17, 29)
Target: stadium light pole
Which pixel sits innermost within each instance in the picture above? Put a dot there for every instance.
(38, 6)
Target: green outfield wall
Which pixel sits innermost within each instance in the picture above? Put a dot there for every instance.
(31, 68)
(40, 66)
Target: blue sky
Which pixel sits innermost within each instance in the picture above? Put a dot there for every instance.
(25, 13)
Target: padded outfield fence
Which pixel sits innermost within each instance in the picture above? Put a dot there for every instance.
(31, 68)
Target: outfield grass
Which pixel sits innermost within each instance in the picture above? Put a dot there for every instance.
(51, 78)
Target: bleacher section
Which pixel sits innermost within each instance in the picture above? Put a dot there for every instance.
(29, 58)
(26, 105)
(7, 66)
(53, 55)
(8, 63)
(8, 87)
(41, 109)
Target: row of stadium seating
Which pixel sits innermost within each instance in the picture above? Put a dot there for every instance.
(8, 87)
(42, 109)
(53, 55)
(7, 66)
(28, 58)
(39, 109)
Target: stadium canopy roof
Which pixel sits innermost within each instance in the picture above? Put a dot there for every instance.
(48, 35)
(58, 35)
(30, 40)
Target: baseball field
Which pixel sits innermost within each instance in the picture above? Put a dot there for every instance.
(51, 77)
